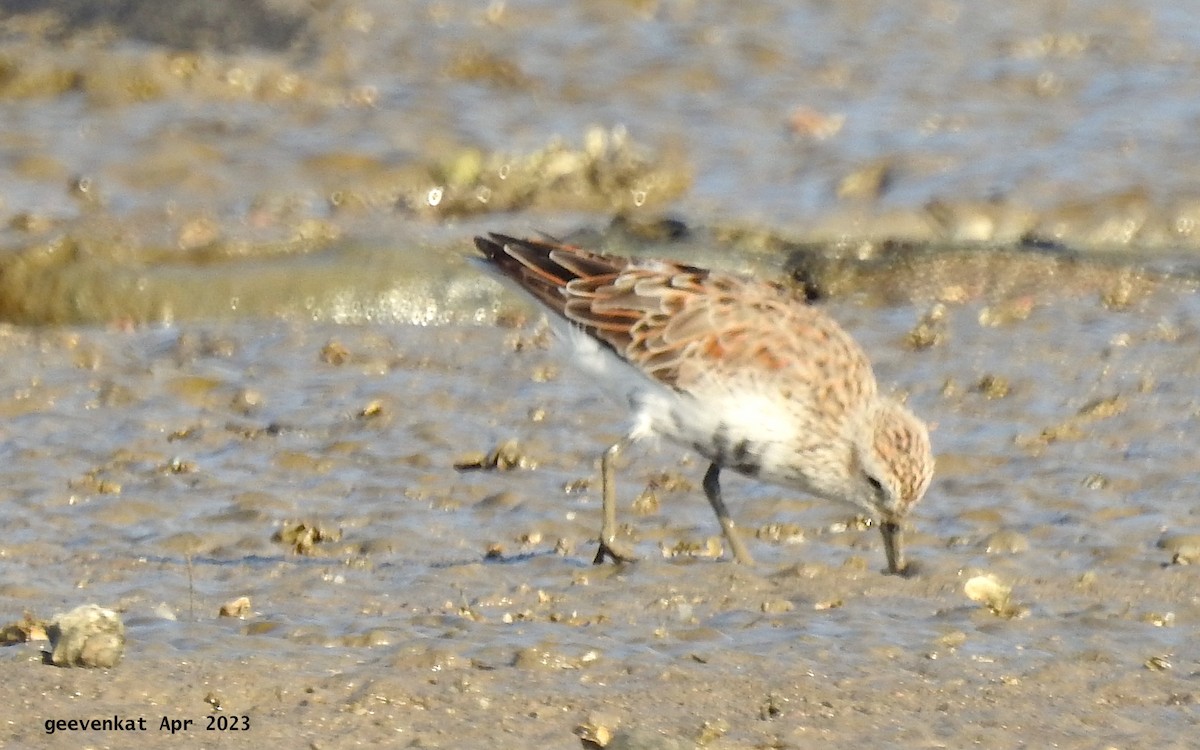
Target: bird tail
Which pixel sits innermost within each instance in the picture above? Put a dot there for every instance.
(539, 268)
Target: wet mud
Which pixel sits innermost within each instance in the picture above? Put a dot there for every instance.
(340, 491)
(396, 594)
(143, 166)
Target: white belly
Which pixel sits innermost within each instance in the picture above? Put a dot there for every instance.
(739, 425)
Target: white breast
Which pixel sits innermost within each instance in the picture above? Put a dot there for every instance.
(741, 424)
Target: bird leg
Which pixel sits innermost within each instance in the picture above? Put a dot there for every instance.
(609, 546)
(712, 490)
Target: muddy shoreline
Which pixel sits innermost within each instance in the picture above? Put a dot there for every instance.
(152, 469)
(244, 356)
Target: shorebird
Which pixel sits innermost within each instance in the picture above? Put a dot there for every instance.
(745, 372)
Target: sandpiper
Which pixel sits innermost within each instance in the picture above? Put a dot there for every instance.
(745, 372)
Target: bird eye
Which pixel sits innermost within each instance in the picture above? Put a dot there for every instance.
(875, 484)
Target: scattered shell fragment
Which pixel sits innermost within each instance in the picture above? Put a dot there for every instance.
(92, 483)
(1120, 294)
(712, 730)
(992, 386)
(709, 548)
(930, 330)
(238, 607)
(546, 657)
(671, 481)
(1159, 663)
(530, 538)
(179, 465)
(609, 173)
(950, 388)
(246, 401)
(87, 636)
(854, 523)
(772, 707)
(374, 408)
(647, 502)
(1072, 427)
(1159, 619)
(996, 596)
(506, 456)
(1056, 433)
(577, 486)
(597, 729)
(545, 373)
(1103, 408)
(1095, 481)
(303, 537)
(28, 628)
(335, 353)
(780, 533)
(777, 606)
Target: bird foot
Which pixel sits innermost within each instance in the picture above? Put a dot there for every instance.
(612, 549)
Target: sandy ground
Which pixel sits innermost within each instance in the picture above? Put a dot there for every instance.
(150, 470)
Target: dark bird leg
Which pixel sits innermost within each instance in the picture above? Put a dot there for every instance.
(712, 490)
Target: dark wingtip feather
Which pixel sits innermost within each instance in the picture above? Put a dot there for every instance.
(491, 246)
(502, 250)
(525, 263)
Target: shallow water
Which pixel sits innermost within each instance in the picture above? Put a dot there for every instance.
(221, 255)
(149, 470)
(340, 177)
